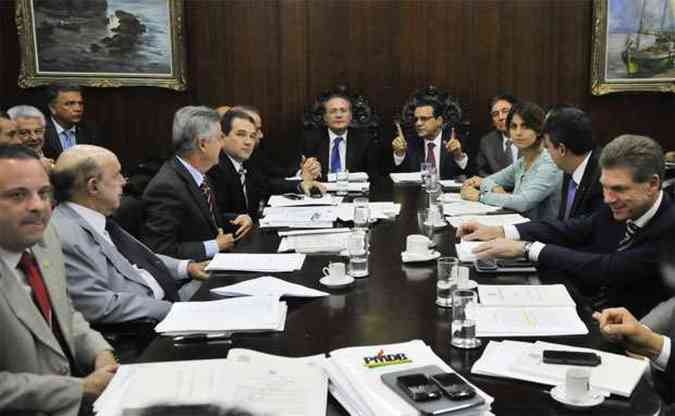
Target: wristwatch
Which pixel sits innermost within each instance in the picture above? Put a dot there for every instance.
(526, 249)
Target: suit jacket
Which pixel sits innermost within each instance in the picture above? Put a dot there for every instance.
(34, 370)
(177, 216)
(491, 156)
(584, 248)
(589, 192)
(85, 133)
(103, 284)
(363, 151)
(415, 156)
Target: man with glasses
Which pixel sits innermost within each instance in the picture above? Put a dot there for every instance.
(30, 124)
(496, 150)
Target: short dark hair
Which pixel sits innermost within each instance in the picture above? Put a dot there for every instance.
(246, 108)
(531, 113)
(437, 106)
(17, 151)
(335, 95)
(228, 118)
(502, 97)
(54, 89)
(570, 126)
(641, 154)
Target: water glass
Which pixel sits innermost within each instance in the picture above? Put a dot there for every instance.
(342, 182)
(446, 283)
(462, 328)
(425, 221)
(357, 248)
(361, 213)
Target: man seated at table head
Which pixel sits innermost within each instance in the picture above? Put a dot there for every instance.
(431, 144)
(8, 130)
(111, 276)
(182, 218)
(65, 126)
(612, 253)
(496, 150)
(47, 347)
(339, 146)
(568, 136)
(30, 123)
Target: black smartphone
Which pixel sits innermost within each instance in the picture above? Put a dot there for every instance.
(453, 386)
(487, 264)
(588, 359)
(418, 387)
(294, 197)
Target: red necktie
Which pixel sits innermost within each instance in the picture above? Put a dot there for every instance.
(431, 158)
(30, 268)
(208, 194)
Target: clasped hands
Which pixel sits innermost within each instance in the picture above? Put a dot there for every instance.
(243, 224)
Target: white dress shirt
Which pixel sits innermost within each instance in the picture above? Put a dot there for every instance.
(438, 142)
(11, 260)
(60, 130)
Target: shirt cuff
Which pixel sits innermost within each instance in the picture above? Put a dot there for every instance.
(511, 232)
(211, 248)
(661, 362)
(183, 269)
(463, 162)
(535, 250)
(398, 159)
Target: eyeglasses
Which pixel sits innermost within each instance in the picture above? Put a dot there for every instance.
(503, 111)
(26, 132)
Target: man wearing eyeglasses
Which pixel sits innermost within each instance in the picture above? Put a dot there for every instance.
(496, 150)
(30, 123)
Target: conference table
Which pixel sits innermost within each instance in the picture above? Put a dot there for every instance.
(395, 303)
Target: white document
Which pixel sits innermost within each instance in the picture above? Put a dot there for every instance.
(495, 321)
(314, 243)
(351, 186)
(268, 285)
(293, 233)
(451, 183)
(450, 197)
(464, 250)
(242, 314)
(496, 220)
(299, 217)
(525, 295)
(282, 201)
(265, 262)
(378, 210)
(467, 208)
(353, 177)
(414, 177)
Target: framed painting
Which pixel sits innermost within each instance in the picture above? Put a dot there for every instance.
(633, 46)
(102, 43)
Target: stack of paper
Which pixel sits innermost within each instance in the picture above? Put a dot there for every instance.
(299, 200)
(355, 375)
(273, 385)
(330, 240)
(299, 217)
(353, 177)
(268, 286)
(526, 310)
(467, 208)
(617, 374)
(406, 177)
(378, 210)
(450, 183)
(246, 262)
(351, 186)
(493, 220)
(243, 314)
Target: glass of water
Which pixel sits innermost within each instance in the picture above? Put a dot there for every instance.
(361, 213)
(425, 172)
(357, 248)
(463, 328)
(425, 221)
(342, 182)
(446, 283)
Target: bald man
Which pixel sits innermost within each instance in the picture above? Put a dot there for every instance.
(111, 276)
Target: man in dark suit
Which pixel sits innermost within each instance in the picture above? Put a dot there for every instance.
(338, 146)
(496, 150)
(65, 127)
(568, 137)
(430, 145)
(182, 218)
(614, 252)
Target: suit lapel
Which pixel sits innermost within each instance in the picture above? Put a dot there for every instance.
(324, 152)
(53, 140)
(235, 187)
(197, 194)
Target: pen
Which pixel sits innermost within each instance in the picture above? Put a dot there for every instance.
(222, 338)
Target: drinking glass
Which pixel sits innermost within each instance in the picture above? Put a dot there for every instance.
(463, 328)
(425, 169)
(446, 283)
(425, 221)
(357, 248)
(361, 213)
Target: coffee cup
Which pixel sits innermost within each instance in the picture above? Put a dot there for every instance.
(577, 383)
(334, 271)
(417, 244)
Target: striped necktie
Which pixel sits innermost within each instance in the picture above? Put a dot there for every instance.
(208, 194)
(631, 230)
(242, 179)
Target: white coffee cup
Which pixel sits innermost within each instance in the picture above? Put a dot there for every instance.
(577, 383)
(417, 244)
(334, 271)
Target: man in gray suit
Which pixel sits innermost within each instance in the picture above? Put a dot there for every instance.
(496, 150)
(45, 345)
(112, 277)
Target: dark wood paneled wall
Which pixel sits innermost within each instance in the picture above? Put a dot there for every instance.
(279, 54)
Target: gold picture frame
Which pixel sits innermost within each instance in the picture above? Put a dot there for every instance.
(633, 46)
(94, 43)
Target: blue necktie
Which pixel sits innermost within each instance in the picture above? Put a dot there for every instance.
(68, 139)
(571, 193)
(335, 162)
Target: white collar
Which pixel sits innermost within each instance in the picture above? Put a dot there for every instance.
(578, 173)
(237, 164)
(436, 140)
(196, 175)
(647, 216)
(332, 136)
(504, 138)
(94, 218)
(60, 129)
(10, 258)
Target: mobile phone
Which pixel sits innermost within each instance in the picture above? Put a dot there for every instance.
(293, 197)
(453, 386)
(506, 263)
(487, 264)
(588, 359)
(418, 387)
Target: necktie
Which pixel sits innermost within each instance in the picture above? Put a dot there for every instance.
(68, 139)
(508, 154)
(242, 178)
(571, 193)
(430, 154)
(631, 230)
(208, 194)
(30, 268)
(335, 161)
(136, 253)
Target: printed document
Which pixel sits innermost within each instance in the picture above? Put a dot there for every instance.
(496, 220)
(255, 262)
(282, 201)
(414, 177)
(268, 285)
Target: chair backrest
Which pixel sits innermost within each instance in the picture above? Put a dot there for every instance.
(452, 112)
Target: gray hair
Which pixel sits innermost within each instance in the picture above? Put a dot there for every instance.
(26, 111)
(67, 181)
(641, 154)
(190, 123)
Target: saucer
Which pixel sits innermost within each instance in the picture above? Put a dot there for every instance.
(412, 258)
(348, 280)
(593, 398)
